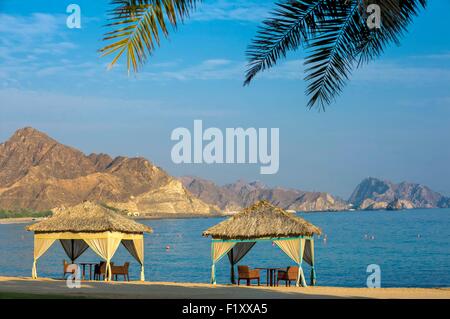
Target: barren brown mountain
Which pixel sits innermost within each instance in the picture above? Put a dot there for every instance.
(235, 196)
(38, 173)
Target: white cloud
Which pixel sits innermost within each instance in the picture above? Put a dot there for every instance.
(433, 56)
(26, 40)
(38, 24)
(398, 73)
(50, 71)
(43, 102)
(237, 10)
(223, 69)
(287, 70)
(38, 105)
(36, 46)
(435, 101)
(211, 69)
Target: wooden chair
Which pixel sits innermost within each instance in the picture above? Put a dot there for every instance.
(121, 271)
(100, 270)
(245, 273)
(66, 266)
(288, 275)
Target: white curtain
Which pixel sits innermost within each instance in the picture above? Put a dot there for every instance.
(136, 249)
(218, 250)
(291, 247)
(41, 245)
(237, 253)
(294, 248)
(105, 248)
(74, 248)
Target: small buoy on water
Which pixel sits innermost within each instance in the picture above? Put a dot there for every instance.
(168, 247)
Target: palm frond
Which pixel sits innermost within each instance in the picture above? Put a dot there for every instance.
(331, 55)
(337, 38)
(396, 15)
(138, 25)
(292, 24)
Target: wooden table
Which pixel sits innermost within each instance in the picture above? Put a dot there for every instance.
(83, 273)
(271, 274)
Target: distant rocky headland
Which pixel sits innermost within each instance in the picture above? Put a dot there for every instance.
(233, 197)
(373, 193)
(38, 174)
(370, 194)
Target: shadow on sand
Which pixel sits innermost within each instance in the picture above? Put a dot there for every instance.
(57, 288)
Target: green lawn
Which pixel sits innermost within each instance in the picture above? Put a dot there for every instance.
(23, 213)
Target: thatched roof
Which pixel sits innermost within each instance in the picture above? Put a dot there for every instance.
(262, 220)
(88, 217)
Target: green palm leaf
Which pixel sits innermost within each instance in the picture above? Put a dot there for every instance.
(138, 26)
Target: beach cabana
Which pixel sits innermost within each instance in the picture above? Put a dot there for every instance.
(89, 225)
(263, 222)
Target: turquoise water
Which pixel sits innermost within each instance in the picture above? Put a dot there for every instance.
(411, 247)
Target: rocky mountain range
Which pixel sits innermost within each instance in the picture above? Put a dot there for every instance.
(370, 194)
(232, 197)
(374, 193)
(38, 173)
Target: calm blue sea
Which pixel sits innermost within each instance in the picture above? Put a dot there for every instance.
(411, 247)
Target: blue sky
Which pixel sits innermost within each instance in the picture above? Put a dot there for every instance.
(392, 121)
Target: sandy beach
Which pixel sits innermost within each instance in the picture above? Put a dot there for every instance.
(163, 290)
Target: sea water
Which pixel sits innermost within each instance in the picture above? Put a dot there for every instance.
(411, 247)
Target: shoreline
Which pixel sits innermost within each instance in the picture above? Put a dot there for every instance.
(159, 290)
(178, 216)
(25, 220)
(168, 216)
(19, 220)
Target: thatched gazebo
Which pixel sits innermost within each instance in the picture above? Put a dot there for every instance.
(89, 225)
(263, 222)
